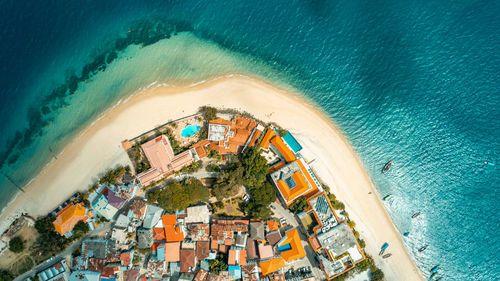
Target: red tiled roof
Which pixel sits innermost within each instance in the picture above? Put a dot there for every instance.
(125, 258)
(187, 259)
(159, 233)
(202, 250)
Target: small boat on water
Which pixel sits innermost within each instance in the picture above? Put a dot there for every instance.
(435, 268)
(489, 163)
(382, 250)
(386, 256)
(387, 197)
(406, 234)
(423, 248)
(386, 167)
(415, 215)
(433, 275)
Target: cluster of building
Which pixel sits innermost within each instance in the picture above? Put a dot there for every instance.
(105, 202)
(224, 136)
(181, 246)
(149, 244)
(331, 238)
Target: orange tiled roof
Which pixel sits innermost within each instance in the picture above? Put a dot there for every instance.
(231, 260)
(159, 153)
(220, 121)
(271, 266)
(291, 194)
(276, 167)
(159, 233)
(297, 250)
(172, 251)
(202, 250)
(68, 217)
(170, 219)
(173, 234)
(255, 137)
(308, 176)
(240, 130)
(283, 149)
(272, 225)
(243, 257)
(267, 138)
(199, 147)
(237, 257)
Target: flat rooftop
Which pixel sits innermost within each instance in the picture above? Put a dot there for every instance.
(324, 212)
(338, 240)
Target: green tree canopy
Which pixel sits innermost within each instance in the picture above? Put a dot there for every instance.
(44, 225)
(263, 193)
(299, 205)
(6, 275)
(16, 244)
(218, 265)
(228, 181)
(179, 195)
(80, 229)
(209, 113)
(255, 167)
(377, 275)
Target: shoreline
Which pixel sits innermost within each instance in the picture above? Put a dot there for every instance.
(98, 147)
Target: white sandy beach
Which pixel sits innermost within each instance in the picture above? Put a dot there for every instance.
(99, 147)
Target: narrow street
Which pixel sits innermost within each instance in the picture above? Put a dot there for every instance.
(67, 252)
(280, 212)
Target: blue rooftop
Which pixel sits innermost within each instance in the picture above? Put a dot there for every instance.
(292, 142)
(235, 271)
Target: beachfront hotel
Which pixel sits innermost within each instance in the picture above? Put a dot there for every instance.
(233, 136)
(163, 162)
(331, 238)
(291, 175)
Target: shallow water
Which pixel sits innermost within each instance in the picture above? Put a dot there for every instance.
(415, 83)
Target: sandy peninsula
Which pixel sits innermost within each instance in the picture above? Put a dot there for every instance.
(99, 147)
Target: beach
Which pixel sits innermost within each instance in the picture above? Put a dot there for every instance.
(99, 147)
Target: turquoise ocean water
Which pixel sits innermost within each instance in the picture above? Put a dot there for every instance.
(416, 82)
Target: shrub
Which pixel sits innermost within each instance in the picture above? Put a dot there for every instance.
(16, 244)
(208, 113)
(218, 265)
(111, 175)
(6, 275)
(282, 132)
(80, 230)
(212, 168)
(351, 223)
(377, 275)
(337, 205)
(362, 243)
(179, 195)
(299, 205)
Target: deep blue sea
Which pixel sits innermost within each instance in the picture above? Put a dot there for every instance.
(416, 82)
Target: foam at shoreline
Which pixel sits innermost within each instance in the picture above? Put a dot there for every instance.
(98, 148)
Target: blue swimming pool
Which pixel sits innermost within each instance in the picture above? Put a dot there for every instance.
(292, 142)
(190, 130)
(284, 248)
